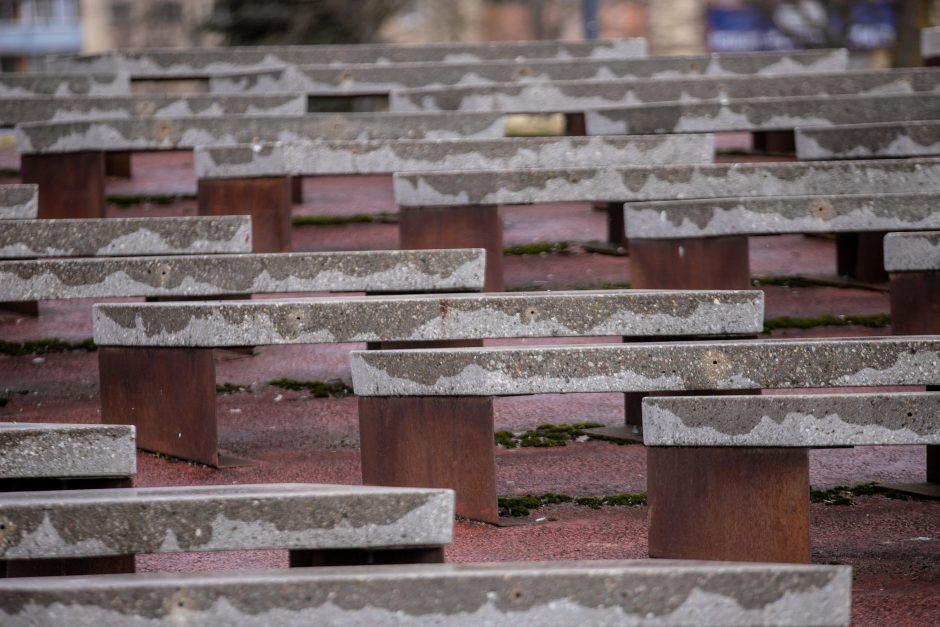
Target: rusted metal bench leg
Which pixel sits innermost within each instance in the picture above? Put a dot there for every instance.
(118, 164)
(432, 442)
(300, 558)
(774, 142)
(457, 227)
(708, 263)
(861, 256)
(167, 393)
(71, 185)
(266, 200)
(915, 310)
(69, 566)
(297, 190)
(733, 504)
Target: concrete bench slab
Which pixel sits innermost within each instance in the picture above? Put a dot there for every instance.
(633, 592)
(208, 61)
(185, 133)
(209, 275)
(19, 202)
(120, 237)
(31, 110)
(740, 462)
(61, 451)
(379, 79)
(63, 85)
(87, 523)
(852, 141)
(824, 213)
(912, 252)
(725, 365)
(341, 157)
(430, 318)
(579, 96)
(640, 183)
(805, 420)
(760, 114)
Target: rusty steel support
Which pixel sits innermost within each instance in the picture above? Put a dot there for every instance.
(457, 227)
(71, 185)
(301, 558)
(117, 564)
(266, 200)
(774, 142)
(432, 442)
(167, 393)
(297, 190)
(705, 263)
(861, 256)
(118, 164)
(728, 504)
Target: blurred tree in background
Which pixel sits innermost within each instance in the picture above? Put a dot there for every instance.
(282, 22)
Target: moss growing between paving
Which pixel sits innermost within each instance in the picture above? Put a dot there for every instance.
(537, 248)
(516, 506)
(544, 436)
(231, 388)
(45, 347)
(359, 218)
(317, 389)
(843, 495)
(133, 200)
(875, 321)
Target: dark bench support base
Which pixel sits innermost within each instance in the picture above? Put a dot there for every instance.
(266, 200)
(915, 310)
(118, 164)
(861, 256)
(70, 566)
(432, 442)
(24, 308)
(774, 142)
(457, 227)
(167, 393)
(363, 557)
(71, 185)
(709, 263)
(734, 504)
(297, 190)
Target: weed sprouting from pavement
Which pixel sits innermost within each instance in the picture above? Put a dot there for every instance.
(45, 347)
(545, 436)
(317, 389)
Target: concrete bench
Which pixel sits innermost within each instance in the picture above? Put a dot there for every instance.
(703, 243)
(234, 178)
(318, 524)
(139, 342)
(63, 85)
(869, 141)
(201, 62)
(381, 79)
(123, 237)
(580, 96)
(19, 202)
(634, 592)
(67, 159)
(704, 257)
(741, 464)
(395, 385)
(65, 457)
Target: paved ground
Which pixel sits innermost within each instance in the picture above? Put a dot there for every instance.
(893, 545)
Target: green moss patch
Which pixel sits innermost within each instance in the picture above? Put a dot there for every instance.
(317, 389)
(230, 388)
(875, 321)
(537, 248)
(45, 347)
(516, 506)
(544, 436)
(844, 495)
(133, 200)
(359, 218)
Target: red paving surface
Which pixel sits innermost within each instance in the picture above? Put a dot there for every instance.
(894, 546)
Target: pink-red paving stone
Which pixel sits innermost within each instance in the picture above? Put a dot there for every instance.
(894, 546)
